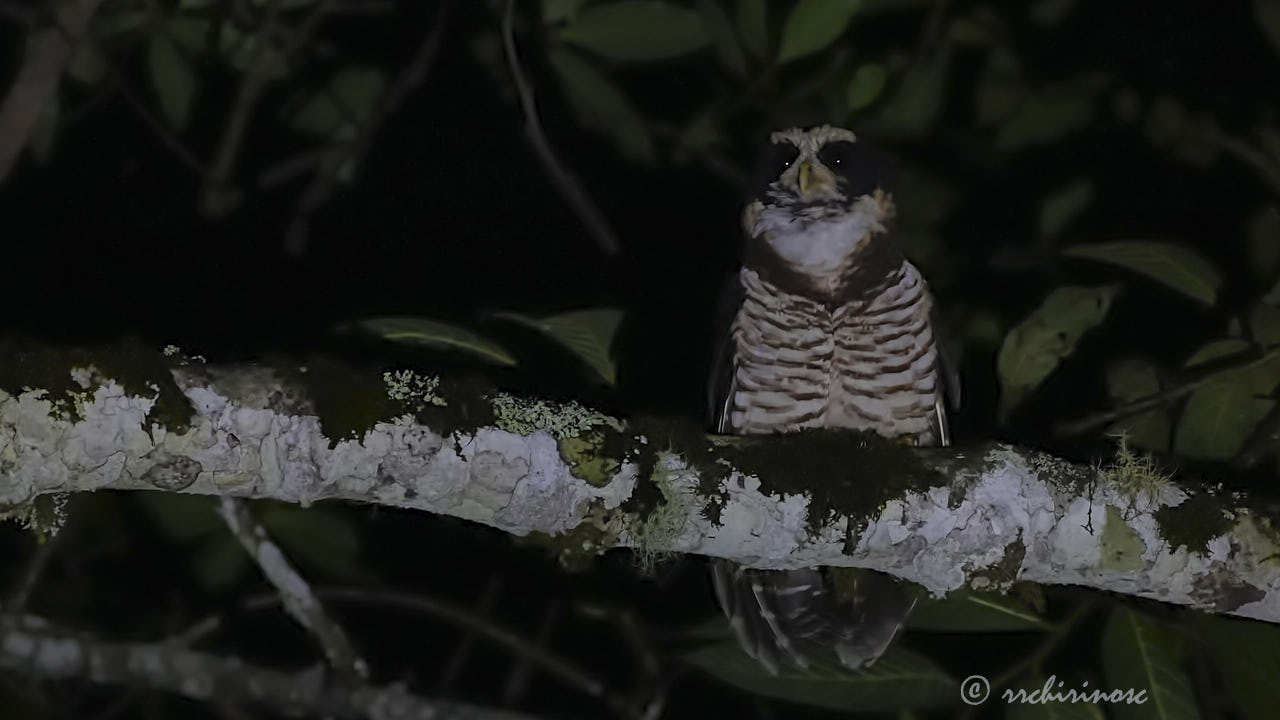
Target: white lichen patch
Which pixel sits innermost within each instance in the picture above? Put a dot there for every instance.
(525, 416)
(414, 389)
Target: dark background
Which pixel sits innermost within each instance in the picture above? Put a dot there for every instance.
(451, 216)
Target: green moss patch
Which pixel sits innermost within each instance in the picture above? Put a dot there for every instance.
(1199, 519)
(141, 370)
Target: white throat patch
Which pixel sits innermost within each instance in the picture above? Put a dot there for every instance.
(820, 246)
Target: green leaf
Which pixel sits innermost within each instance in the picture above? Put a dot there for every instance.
(1048, 13)
(1173, 265)
(1000, 89)
(1126, 103)
(723, 37)
(753, 26)
(637, 30)
(1264, 324)
(912, 110)
(971, 611)
(868, 81)
(554, 11)
(435, 334)
(191, 34)
(601, 106)
(1038, 709)
(171, 78)
(319, 538)
(586, 333)
(1131, 379)
(1246, 655)
(252, 55)
(899, 680)
(1036, 346)
(87, 64)
(285, 4)
(1140, 654)
(180, 516)
(813, 25)
(1063, 205)
(342, 106)
(1263, 232)
(1273, 295)
(1166, 120)
(1268, 15)
(1044, 118)
(1223, 411)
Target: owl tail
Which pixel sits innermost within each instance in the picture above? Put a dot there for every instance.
(800, 617)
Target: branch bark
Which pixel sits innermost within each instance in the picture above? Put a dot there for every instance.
(977, 516)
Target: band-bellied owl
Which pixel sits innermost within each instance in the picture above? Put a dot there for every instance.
(831, 328)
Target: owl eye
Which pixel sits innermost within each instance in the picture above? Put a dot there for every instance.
(837, 155)
(771, 164)
(860, 168)
(781, 158)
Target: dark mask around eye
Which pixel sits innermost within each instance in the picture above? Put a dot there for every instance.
(770, 165)
(860, 168)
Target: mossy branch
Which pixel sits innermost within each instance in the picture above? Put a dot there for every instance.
(944, 518)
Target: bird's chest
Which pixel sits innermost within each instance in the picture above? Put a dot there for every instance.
(866, 365)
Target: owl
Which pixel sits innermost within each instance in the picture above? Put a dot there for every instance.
(830, 327)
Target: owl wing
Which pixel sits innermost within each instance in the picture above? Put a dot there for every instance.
(948, 370)
(723, 376)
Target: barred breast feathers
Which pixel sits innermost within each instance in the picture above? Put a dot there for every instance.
(869, 364)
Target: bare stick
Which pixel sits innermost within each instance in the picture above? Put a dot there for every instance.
(295, 593)
(565, 180)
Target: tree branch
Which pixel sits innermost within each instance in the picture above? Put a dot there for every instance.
(31, 645)
(944, 518)
(299, 601)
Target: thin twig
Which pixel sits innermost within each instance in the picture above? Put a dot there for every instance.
(572, 190)
(332, 162)
(18, 599)
(518, 679)
(460, 656)
(555, 666)
(296, 595)
(1140, 405)
(1265, 166)
(1033, 661)
(218, 198)
(167, 137)
(32, 645)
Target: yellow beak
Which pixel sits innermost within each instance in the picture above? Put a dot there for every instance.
(812, 178)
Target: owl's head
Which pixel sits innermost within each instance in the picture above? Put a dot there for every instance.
(820, 198)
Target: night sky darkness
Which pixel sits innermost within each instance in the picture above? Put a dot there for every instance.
(451, 216)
